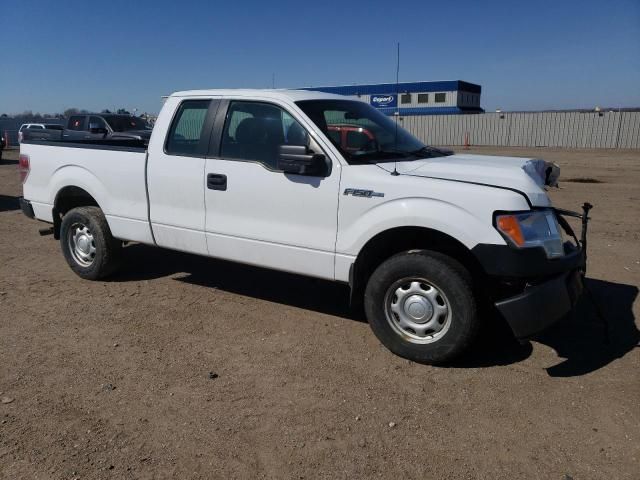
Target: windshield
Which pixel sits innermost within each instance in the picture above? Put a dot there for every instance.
(125, 123)
(363, 134)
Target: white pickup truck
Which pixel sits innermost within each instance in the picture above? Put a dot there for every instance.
(325, 186)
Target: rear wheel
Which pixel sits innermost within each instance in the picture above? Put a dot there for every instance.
(87, 243)
(421, 306)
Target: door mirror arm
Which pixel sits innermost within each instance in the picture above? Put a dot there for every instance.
(299, 160)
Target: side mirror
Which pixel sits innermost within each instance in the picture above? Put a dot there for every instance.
(297, 159)
(96, 128)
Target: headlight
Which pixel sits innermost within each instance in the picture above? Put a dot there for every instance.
(538, 228)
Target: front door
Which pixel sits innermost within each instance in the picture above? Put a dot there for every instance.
(257, 214)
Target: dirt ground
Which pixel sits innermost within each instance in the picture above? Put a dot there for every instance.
(186, 367)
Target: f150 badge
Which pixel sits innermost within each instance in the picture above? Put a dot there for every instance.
(356, 192)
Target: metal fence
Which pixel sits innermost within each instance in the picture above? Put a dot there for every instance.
(517, 129)
(530, 129)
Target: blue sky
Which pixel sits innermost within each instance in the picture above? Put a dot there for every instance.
(526, 55)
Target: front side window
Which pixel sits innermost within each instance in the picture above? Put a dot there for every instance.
(97, 122)
(187, 129)
(405, 98)
(254, 131)
(363, 134)
(440, 97)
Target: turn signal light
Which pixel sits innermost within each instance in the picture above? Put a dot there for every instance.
(509, 225)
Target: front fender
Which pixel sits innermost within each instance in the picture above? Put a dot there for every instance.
(434, 214)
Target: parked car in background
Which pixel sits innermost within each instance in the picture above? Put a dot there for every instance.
(93, 127)
(425, 238)
(101, 126)
(351, 137)
(50, 133)
(38, 127)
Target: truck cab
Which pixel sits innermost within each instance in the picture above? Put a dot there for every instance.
(423, 237)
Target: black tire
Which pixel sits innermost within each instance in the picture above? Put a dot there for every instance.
(453, 294)
(107, 254)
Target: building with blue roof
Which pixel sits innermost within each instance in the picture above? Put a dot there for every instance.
(415, 98)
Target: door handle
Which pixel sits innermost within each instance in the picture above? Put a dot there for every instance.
(216, 181)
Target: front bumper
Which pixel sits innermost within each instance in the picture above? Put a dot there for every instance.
(26, 207)
(542, 290)
(539, 306)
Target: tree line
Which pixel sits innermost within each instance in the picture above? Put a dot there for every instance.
(31, 116)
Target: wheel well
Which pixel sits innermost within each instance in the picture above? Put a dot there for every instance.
(401, 239)
(67, 198)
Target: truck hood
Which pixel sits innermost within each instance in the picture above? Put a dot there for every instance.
(526, 175)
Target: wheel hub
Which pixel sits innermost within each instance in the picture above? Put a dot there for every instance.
(418, 308)
(82, 245)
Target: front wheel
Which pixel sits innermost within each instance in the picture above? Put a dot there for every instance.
(421, 306)
(87, 243)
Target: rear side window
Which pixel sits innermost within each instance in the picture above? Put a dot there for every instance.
(76, 122)
(187, 129)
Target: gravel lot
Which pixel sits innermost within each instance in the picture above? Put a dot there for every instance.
(186, 367)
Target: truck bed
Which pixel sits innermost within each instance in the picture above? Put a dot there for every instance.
(69, 138)
(113, 172)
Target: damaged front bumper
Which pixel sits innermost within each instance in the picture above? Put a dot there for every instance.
(542, 291)
(542, 305)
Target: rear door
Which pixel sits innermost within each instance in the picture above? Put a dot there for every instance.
(257, 214)
(175, 174)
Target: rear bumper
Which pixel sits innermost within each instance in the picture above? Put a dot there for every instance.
(542, 305)
(26, 207)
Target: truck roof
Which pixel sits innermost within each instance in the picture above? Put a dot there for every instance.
(294, 95)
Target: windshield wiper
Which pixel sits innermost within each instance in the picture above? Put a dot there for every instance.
(380, 154)
(431, 151)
